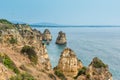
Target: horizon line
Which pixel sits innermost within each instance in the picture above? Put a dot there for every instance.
(75, 25)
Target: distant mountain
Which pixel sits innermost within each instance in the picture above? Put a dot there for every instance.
(45, 24)
(18, 22)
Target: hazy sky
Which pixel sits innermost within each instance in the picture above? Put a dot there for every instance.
(73, 12)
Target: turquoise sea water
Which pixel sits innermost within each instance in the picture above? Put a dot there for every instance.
(87, 43)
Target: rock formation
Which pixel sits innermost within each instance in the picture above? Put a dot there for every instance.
(98, 70)
(47, 35)
(13, 38)
(61, 39)
(68, 63)
(44, 58)
(70, 66)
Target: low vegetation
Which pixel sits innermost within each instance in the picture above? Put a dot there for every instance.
(24, 76)
(13, 40)
(4, 24)
(8, 63)
(81, 72)
(52, 76)
(32, 55)
(4, 21)
(60, 75)
(97, 63)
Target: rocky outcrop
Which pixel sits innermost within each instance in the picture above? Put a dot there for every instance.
(98, 70)
(61, 39)
(21, 35)
(33, 38)
(44, 58)
(70, 66)
(69, 63)
(47, 35)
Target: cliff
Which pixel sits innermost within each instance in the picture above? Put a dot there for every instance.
(24, 48)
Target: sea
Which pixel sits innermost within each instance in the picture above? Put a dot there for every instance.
(87, 43)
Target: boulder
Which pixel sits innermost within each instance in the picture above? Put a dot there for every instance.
(61, 39)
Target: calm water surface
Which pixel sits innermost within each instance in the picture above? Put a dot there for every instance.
(87, 43)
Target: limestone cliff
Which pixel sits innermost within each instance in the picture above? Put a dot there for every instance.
(61, 39)
(44, 58)
(14, 38)
(69, 63)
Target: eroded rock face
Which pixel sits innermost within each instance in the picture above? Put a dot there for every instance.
(61, 39)
(12, 40)
(82, 77)
(98, 70)
(25, 35)
(44, 58)
(47, 35)
(68, 63)
(5, 73)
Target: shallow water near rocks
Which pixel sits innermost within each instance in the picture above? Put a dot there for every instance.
(87, 43)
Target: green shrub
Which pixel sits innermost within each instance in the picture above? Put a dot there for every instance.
(13, 40)
(4, 21)
(6, 24)
(81, 71)
(0, 40)
(31, 53)
(24, 76)
(88, 76)
(97, 63)
(9, 63)
(79, 60)
(60, 75)
(52, 76)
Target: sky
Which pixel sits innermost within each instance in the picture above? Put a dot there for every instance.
(66, 12)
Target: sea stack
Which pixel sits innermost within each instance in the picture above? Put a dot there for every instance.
(47, 35)
(97, 70)
(69, 63)
(61, 39)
